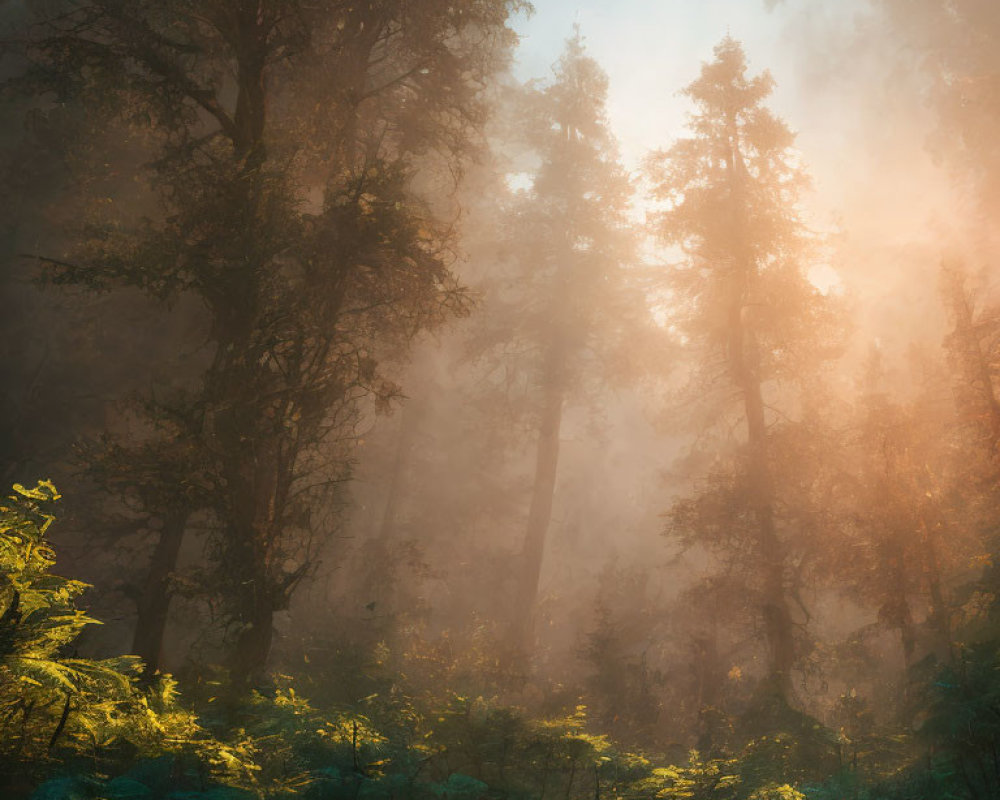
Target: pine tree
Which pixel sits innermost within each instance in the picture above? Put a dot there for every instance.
(897, 519)
(742, 299)
(574, 306)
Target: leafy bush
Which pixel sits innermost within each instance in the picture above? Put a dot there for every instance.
(86, 717)
(49, 700)
(96, 733)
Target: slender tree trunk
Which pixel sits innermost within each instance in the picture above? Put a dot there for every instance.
(381, 575)
(778, 625)
(569, 782)
(901, 613)
(540, 511)
(896, 608)
(154, 602)
(709, 675)
(408, 425)
(907, 638)
(940, 614)
(744, 362)
(974, 362)
(378, 581)
(249, 507)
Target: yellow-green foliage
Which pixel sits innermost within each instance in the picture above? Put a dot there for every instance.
(783, 792)
(54, 706)
(716, 779)
(279, 745)
(47, 699)
(288, 738)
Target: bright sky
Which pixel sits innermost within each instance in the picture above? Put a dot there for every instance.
(653, 48)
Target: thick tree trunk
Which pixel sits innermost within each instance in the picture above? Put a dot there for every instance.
(540, 511)
(253, 645)
(255, 520)
(249, 447)
(154, 602)
(250, 32)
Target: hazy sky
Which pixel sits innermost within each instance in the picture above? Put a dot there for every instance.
(653, 48)
(862, 127)
(834, 86)
(842, 85)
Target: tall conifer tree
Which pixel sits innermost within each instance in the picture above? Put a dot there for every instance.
(573, 247)
(743, 300)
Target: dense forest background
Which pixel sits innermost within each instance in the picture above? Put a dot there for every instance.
(402, 438)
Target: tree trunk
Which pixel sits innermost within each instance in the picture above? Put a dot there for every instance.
(745, 366)
(253, 645)
(898, 606)
(154, 602)
(940, 614)
(974, 362)
(540, 511)
(408, 425)
(250, 115)
(744, 363)
(254, 531)
(379, 579)
(250, 454)
(707, 666)
(778, 626)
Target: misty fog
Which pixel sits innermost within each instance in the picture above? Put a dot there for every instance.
(466, 399)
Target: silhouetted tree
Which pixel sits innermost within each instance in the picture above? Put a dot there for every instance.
(283, 140)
